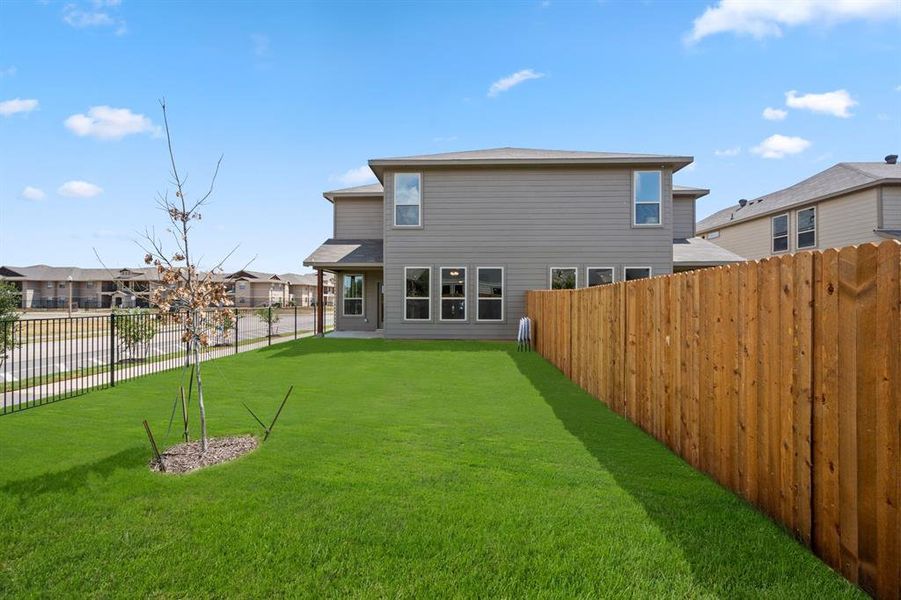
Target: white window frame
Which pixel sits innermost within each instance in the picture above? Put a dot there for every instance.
(635, 202)
(788, 235)
(502, 299)
(626, 272)
(588, 279)
(798, 231)
(713, 235)
(550, 275)
(395, 205)
(362, 296)
(441, 297)
(428, 298)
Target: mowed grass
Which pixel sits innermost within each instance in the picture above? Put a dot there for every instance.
(397, 469)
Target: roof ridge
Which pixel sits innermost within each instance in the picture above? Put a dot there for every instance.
(847, 165)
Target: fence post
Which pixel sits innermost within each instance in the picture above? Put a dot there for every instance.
(112, 349)
(269, 323)
(236, 331)
(295, 321)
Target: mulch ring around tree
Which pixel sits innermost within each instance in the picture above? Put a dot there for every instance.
(187, 457)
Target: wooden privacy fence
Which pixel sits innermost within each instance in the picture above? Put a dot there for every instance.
(780, 378)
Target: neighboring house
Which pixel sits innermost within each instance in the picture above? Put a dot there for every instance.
(849, 203)
(42, 286)
(302, 288)
(446, 245)
(255, 288)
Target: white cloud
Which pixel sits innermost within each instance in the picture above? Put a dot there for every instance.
(33, 193)
(7, 72)
(96, 16)
(774, 114)
(260, 44)
(359, 176)
(735, 151)
(446, 138)
(834, 103)
(767, 18)
(107, 123)
(79, 189)
(778, 146)
(17, 105)
(505, 83)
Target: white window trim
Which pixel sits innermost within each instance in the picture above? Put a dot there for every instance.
(588, 279)
(503, 298)
(713, 235)
(394, 202)
(635, 203)
(798, 232)
(626, 271)
(441, 297)
(788, 235)
(550, 275)
(362, 296)
(429, 297)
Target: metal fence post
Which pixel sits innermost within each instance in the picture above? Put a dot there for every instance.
(112, 349)
(236, 331)
(295, 321)
(269, 322)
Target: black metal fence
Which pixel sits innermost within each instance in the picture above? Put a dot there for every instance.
(45, 360)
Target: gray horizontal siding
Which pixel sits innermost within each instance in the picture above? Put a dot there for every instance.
(891, 207)
(366, 322)
(683, 217)
(525, 221)
(358, 218)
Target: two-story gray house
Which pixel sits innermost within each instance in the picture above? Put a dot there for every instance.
(446, 245)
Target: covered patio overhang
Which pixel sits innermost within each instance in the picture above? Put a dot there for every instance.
(698, 253)
(336, 255)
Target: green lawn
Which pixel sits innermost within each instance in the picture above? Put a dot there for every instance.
(399, 469)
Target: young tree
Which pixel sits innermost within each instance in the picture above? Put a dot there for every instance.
(198, 299)
(135, 329)
(9, 302)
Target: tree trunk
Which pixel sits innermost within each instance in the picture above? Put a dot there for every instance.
(203, 441)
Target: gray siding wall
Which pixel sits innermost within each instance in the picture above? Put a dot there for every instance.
(683, 217)
(358, 218)
(891, 207)
(525, 220)
(366, 322)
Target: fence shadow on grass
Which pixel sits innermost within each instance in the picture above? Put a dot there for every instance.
(72, 479)
(721, 536)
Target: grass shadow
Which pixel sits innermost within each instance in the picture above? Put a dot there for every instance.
(74, 478)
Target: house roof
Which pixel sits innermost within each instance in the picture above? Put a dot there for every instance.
(693, 192)
(306, 279)
(247, 274)
(359, 191)
(336, 253)
(48, 273)
(526, 156)
(697, 252)
(839, 179)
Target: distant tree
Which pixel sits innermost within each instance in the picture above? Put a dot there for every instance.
(9, 315)
(269, 316)
(183, 284)
(135, 329)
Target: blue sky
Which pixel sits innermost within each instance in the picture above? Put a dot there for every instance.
(297, 97)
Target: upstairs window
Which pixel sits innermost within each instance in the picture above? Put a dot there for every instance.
(417, 293)
(563, 278)
(491, 294)
(599, 276)
(713, 235)
(807, 227)
(647, 194)
(780, 233)
(353, 295)
(407, 199)
(453, 294)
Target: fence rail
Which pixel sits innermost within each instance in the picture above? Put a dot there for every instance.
(780, 378)
(54, 358)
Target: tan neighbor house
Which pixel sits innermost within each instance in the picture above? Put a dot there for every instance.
(849, 203)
